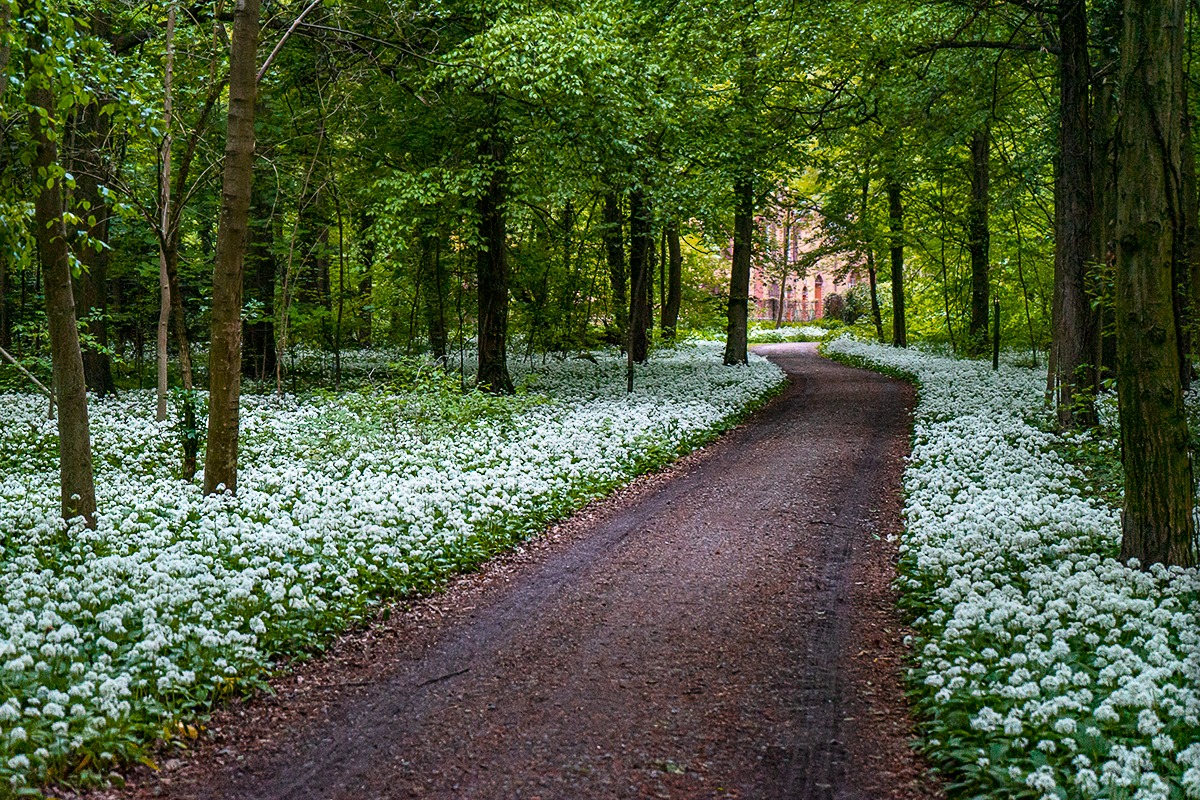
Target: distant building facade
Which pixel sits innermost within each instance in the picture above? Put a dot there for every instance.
(792, 261)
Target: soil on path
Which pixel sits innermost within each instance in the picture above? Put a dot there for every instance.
(724, 629)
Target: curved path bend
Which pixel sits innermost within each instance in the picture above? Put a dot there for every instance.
(726, 629)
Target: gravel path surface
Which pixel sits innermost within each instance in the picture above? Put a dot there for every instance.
(724, 629)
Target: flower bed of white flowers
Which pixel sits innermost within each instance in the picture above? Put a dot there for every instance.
(768, 333)
(109, 638)
(1044, 667)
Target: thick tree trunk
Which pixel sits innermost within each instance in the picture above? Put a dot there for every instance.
(75, 445)
(1074, 211)
(1157, 523)
(737, 334)
(492, 274)
(614, 252)
(979, 239)
(641, 245)
(225, 352)
(896, 228)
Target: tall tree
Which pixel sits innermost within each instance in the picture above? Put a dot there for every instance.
(1074, 210)
(896, 245)
(979, 239)
(225, 351)
(614, 253)
(670, 312)
(1157, 523)
(641, 246)
(492, 270)
(737, 334)
(75, 445)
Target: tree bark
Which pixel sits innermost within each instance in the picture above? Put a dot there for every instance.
(92, 299)
(1074, 211)
(979, 239)
(641, 245)
(261, 269)
(876, 316)
(896, 228)
(1157, 523)
(670, 314)
(1187, 283)
(433, 295)
(614, 252)
(164, 217)
(78, 492)
(1104, 195)
(225, 352)
(737, 335)
(492, 274)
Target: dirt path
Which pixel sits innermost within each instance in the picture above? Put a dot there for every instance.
(725, 630)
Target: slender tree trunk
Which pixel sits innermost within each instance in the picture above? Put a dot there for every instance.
(872, 280)
(737, 335)
(75, 446)
(979, 238)
(641, 245)
(1104, 194)
(92, 253)
(896, 227)
(261, 268)
(433, 293)
(492, 272)
(1157, 523)
(614, 251)
(5, 321)
(670, 315)
(225, 352)
(164, 205)
(1074, 210)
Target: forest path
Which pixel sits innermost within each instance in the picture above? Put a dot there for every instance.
(725, 629)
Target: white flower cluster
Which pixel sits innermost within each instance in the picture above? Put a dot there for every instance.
(1046, 667)
(108, 637)
(788, 333)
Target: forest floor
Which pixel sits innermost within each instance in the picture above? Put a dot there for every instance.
(724, 628)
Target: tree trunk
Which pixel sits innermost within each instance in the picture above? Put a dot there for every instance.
(1074, 210)
(670, 314)
(433, 295)
(1157, 521)
(736, 334)
(876, 316)
(979, 238)
(641, 245)
(164, 218)
(261, 268)
(92, 300)
(1187, 297)
(614, 251)
(492, 273)
(78, 492)
(225, 352)
(896, 227)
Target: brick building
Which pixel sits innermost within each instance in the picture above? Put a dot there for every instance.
(793, 248)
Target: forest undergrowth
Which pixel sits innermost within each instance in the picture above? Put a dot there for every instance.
(1042, 666)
